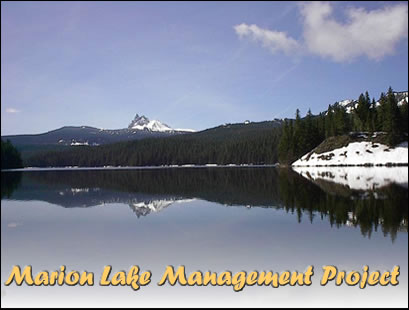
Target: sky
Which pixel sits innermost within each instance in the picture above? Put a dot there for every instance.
(193, 64)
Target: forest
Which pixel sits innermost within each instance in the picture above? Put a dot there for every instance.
(219, 146)
(264, 145)
(300, 136)
(10, 156)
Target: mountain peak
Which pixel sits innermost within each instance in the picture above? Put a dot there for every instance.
(143, 123)
(139, 120)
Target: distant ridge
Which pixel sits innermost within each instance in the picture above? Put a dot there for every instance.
(139, 128)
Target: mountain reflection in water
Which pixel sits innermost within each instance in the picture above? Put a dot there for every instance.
(306, 194)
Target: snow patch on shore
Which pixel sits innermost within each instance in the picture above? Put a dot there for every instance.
(358, 153)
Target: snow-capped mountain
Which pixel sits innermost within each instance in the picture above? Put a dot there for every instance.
(350, 105)
(144, 208)
(402, 97)
(143, 123)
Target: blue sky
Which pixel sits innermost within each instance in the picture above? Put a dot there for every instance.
(192, 64)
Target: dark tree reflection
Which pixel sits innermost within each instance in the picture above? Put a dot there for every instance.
(385, 208)
(10, 181)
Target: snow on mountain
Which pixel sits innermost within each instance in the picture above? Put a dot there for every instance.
(186, 130)
(345, 102)
(147, 207)
(403, 101)
(350, 104)
(144, 208)
(143, 123)
(402, 98)
(358, 153)
(357, 178)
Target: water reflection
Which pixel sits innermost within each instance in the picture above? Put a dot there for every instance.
(337, 196)
(9, 183)
(357, 178)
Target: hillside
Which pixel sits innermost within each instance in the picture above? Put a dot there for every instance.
(72, 136)
(230, 143)
(80, 135)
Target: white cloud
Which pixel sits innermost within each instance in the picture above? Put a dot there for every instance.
(273, 40)
(374, 34)
(12, 110)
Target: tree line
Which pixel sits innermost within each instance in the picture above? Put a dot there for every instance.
(301, 135)
(10, 156)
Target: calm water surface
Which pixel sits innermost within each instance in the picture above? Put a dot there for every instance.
(217, 219)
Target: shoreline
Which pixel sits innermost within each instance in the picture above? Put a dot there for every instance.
(138, 167)
(28, 169)
(358, 165)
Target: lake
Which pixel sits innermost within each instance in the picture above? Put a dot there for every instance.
(207, 219)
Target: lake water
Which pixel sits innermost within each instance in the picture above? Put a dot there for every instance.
(207, 219)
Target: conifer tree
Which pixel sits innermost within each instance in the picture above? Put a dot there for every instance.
(340, 120)
(392, 118)
(362, 112)
(404, 117)
(381, 112)
(373, 116)
(329, 123)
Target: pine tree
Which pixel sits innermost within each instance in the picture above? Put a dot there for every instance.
(392, 119)
(311, 132)
(404, 117)
(362, 111)
(381, 112)
(340, 120)
(329, 123)
(373, 116)
(368, 116)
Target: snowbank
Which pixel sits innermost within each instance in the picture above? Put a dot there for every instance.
(358, 153)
